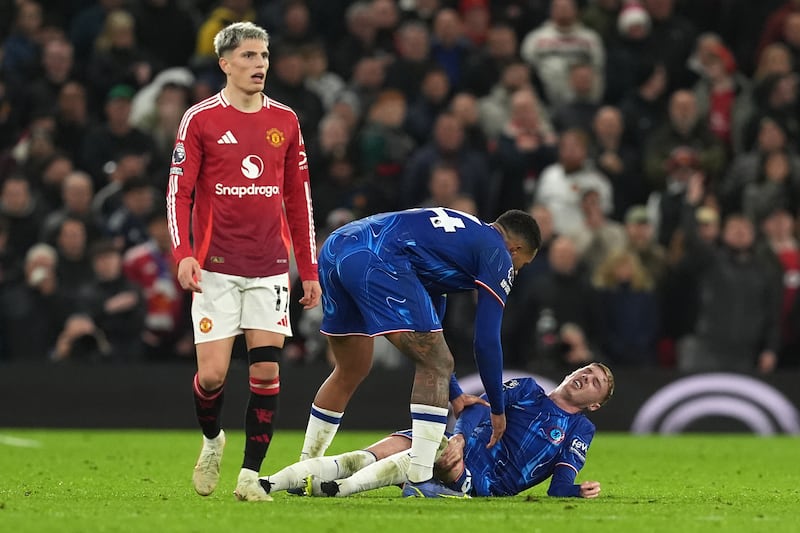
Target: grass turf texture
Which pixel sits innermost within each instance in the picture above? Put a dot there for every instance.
(63, 481)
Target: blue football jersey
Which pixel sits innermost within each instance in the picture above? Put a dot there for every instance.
(450, 251)
(389, 272)
(539, 436)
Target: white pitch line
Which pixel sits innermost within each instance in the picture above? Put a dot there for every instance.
(18, 442)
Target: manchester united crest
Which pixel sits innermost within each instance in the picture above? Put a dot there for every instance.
(206, 325)
(275, 137)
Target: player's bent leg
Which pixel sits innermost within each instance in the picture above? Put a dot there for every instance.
(429, 396)
(323, 468)
(353, 360)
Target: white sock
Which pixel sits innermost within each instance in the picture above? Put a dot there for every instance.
(384, 473)
(427, 428)
(321, 428)
(325, 468)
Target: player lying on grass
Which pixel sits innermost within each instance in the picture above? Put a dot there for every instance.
(547, 435)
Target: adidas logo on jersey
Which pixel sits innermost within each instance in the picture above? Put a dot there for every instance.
(283, 322)
(227, 138)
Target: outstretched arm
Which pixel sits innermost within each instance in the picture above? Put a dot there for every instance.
(562, 484)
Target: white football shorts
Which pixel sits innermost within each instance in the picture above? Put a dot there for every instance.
(230, 304)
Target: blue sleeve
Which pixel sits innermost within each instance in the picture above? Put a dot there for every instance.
(571, 460)
(470, 417)
(562, 484)
(455, 388)
(488, 350)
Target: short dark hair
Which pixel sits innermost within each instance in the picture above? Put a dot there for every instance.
(521, 224)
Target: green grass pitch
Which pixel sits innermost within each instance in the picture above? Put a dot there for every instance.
(90, 481)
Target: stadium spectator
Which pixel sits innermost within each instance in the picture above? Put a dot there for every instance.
(407, 71)
(613, 154)
(484, 66)
(450, 48)
(384, 148)
(672, 38)
(444, 186)
(447, 146)
(738, 324)
(367, 81)
(464, 106)
(560, 185)
(430, 102)
(524, 148)
(233, 232)
(678, 290)
(104, 144)
(631, 325)
(465, 467)
(57, 68)
(628, 51)
(776, 97)
(76, 202)
(577, 110)
(643, 242)
(167, 332)
(773, 27)
(73, 120)
(174, 48)
(724, 96)
(35, 303)
(294, 27)
(685, 128)
(644, 108)
(222, 15)
(74, 267)
(115, 305)
(779, 243)
(286, 84)
(327, 85)
(23, 211)
(22, 47)
(557, 44)
(415, 258)
(599, 236)
(556, 315)
(495, 107)
(87, 24)
(117, 58)
(126, 225)
(10, 263)
(602, 16)
(746, 167)
(359, 42)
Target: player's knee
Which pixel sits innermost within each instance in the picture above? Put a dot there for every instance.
(264, 362)
(211, 379)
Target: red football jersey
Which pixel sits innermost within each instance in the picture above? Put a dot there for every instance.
(252, 197)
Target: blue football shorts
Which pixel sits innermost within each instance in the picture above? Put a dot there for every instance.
(364, 294)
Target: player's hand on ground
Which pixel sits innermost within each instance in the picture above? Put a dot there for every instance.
(312, 292)
(189, 274)
(590, 489)
(498, 428)
(465, 400)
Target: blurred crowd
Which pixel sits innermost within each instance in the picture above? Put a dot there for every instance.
(655, 142)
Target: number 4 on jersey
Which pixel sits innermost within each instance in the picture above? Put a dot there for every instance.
(443, 220)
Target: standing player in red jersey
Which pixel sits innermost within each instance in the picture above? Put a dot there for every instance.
(239, 173)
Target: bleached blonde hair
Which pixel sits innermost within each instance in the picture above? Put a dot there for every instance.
(230, 37)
